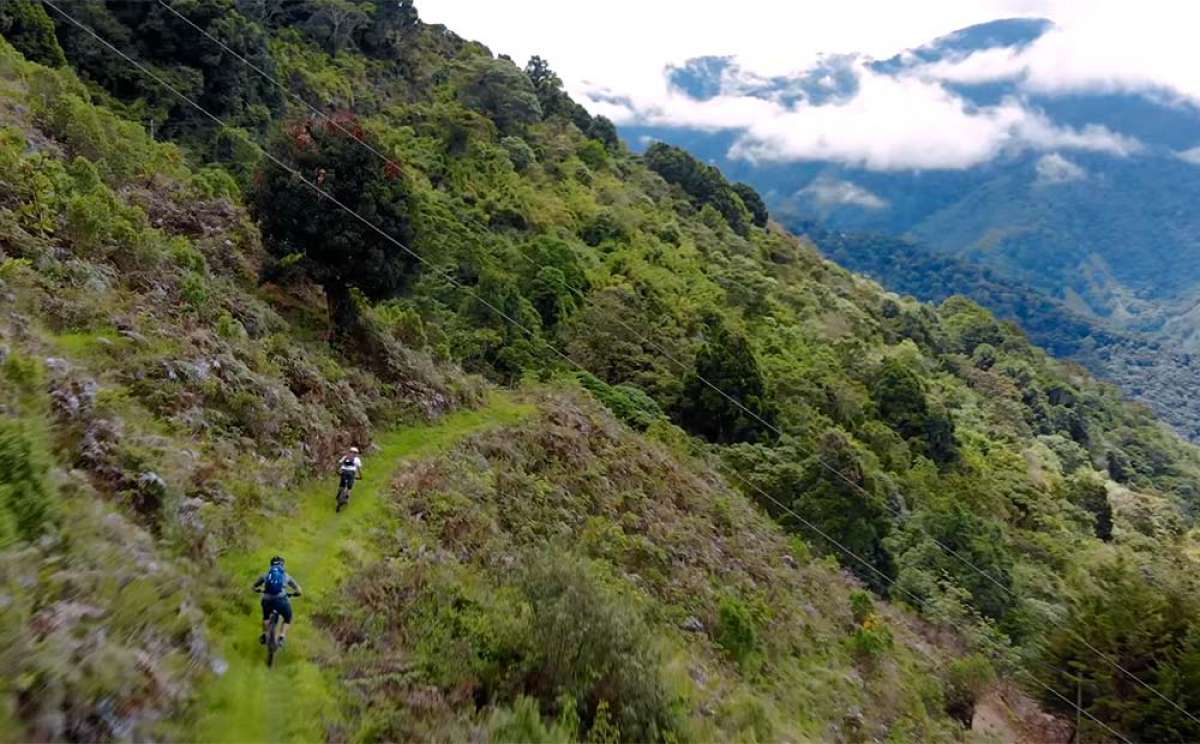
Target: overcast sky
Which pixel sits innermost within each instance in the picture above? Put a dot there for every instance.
(621, 47)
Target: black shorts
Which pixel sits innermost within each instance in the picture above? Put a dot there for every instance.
(280, 604)
(348, 480)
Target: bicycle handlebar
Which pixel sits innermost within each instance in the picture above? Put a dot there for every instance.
(290, 594)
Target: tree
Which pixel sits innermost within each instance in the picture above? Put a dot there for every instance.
(700, 181)
(335, 21)
(754, 203)
(556, 103)
(194, 65)
(266, 12)
(308, 231)
(547, 85)
(31, 32)
(1144, 617)
(900, 397)
(391, 27)
(1088, 492)
(727, 363)
(500, 90)
(604, 130)
(830, 487)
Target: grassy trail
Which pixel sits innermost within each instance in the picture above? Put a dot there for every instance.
(297, 699)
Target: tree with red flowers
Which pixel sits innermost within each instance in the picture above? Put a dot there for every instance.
(305, 225)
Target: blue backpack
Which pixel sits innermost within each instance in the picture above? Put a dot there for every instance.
(275, 580)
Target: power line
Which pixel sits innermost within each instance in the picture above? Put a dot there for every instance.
(425, 262)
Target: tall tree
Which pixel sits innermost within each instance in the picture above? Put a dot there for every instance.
(308, 230)
(726, 362)
(336, 21)
(497, 88)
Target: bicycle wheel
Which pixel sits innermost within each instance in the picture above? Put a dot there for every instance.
(272, 643)
(342, 497)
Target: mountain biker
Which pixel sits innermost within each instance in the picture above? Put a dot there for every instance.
(350, 468)
(275, 583)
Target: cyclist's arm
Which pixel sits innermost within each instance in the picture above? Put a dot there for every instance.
(294, 586)
(358, 466)
(259, 582)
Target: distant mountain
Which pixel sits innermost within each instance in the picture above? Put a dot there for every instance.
(1110, 234)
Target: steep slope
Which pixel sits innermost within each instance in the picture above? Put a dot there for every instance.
(861, 510)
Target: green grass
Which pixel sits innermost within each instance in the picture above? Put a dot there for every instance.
(297, 700)
(85, 345)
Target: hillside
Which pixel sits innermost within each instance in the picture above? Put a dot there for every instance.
(1145, 365)
(1091, 207)
(640, 465)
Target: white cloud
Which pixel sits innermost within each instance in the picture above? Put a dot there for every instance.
(832, 192)
(1107, 46)
(1190, 155)
(890, 123)
(1055, 169)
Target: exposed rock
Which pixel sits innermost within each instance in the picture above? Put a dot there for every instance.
(152, 481)
(189, 514)
(692, 625)
(74, 398)
(63, 616)
(58, 366)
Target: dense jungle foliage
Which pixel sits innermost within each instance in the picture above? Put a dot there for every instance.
(776, 502)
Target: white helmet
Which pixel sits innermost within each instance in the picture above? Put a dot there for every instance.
(354, 450)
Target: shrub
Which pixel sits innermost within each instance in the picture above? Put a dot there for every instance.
(861, 606)
(629, 403)
(120, 149)
(966, 680)
(213, 182)
(590, 644)
(872, 637)
(871, 640)
(23, 373)
(736, 632)
(194, 290)
(593, 154)
(520, 154)
(27, 504)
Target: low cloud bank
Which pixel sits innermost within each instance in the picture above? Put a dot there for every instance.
(828, 193)
(842, 110)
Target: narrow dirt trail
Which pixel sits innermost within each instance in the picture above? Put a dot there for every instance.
(297, 699)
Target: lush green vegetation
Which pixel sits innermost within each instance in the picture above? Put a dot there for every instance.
(1149, 361)
(203, 329)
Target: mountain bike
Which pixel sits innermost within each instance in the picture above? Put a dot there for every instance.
(272, 635)
(343, 494)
